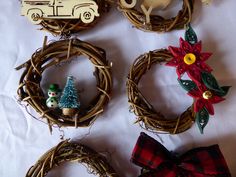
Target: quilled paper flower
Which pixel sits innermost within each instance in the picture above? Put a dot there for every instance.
(205, 98)
(205, 95)
(203, 87)
(189, 59)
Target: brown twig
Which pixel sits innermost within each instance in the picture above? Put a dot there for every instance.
(72, 152)
(146, 114)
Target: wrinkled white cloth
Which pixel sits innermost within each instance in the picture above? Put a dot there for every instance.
(23, 139)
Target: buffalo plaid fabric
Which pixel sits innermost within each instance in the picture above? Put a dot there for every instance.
(157, 161)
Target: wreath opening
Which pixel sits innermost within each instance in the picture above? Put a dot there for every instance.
(163, 94)
(76, 67)
(52, 54)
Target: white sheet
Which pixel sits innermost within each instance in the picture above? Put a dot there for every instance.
(23, 139)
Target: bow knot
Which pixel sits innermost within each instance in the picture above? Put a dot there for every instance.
(157, 161)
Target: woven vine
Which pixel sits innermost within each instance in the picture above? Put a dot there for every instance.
(146, 114)
(52, 54)
(159, 23)
(72, 152)
(66, 27)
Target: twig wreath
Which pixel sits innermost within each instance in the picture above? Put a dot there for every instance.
(72, 152)
(202, 87)
(53, 54)
(144, 111)
(144, 20)
(64, 17)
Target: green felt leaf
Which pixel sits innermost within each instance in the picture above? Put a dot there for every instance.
(210, 82)
(202, 118)
(190, 35)
(187, 84)
(225, 90)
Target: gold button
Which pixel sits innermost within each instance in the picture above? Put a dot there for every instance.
(189, 58)
(207, 95)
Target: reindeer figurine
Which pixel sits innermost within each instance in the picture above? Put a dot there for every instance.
(147, 6)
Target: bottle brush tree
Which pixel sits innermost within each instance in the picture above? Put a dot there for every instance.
(69, 102)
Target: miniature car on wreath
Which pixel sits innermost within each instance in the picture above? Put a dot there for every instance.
(37, 10)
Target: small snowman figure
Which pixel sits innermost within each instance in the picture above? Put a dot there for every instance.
(53, 93)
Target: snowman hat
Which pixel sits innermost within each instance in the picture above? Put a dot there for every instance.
(54, 87)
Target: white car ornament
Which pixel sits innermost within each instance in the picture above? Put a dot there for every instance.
(38, 10)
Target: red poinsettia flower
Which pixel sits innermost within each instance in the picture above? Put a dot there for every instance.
(204, 98)
(189, 58)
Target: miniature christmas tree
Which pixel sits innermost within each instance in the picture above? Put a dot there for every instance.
(69, 99)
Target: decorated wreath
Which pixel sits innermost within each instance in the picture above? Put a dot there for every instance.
(71, 112)
(202, 86)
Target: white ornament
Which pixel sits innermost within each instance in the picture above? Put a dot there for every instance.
(52, 102)
(53, 94)
(147, 6)
(37, 10)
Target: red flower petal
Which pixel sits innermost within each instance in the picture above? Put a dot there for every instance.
(185, 45)
(173, 62)
(199, 104)
(180, 70)
(205, 67)
(195, 94)
(205, 56)
(175, 51)
(216, 99)
(197, 47)
(195, 74)
(202, 88)
(209, 107)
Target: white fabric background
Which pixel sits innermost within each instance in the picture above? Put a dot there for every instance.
(23, 139)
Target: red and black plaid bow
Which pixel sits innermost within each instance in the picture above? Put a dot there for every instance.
(159, 162)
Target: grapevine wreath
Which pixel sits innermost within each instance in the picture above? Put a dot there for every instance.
(53, 54)
(202, 86)
(64, 25)
(72, 152)
(156, 23)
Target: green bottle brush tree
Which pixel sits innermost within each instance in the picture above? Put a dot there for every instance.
(69, 102)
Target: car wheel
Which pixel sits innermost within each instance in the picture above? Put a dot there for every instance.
(35, 16)
(87, 16)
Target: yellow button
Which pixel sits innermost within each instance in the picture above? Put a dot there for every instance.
(207, 95)
(189, 58)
